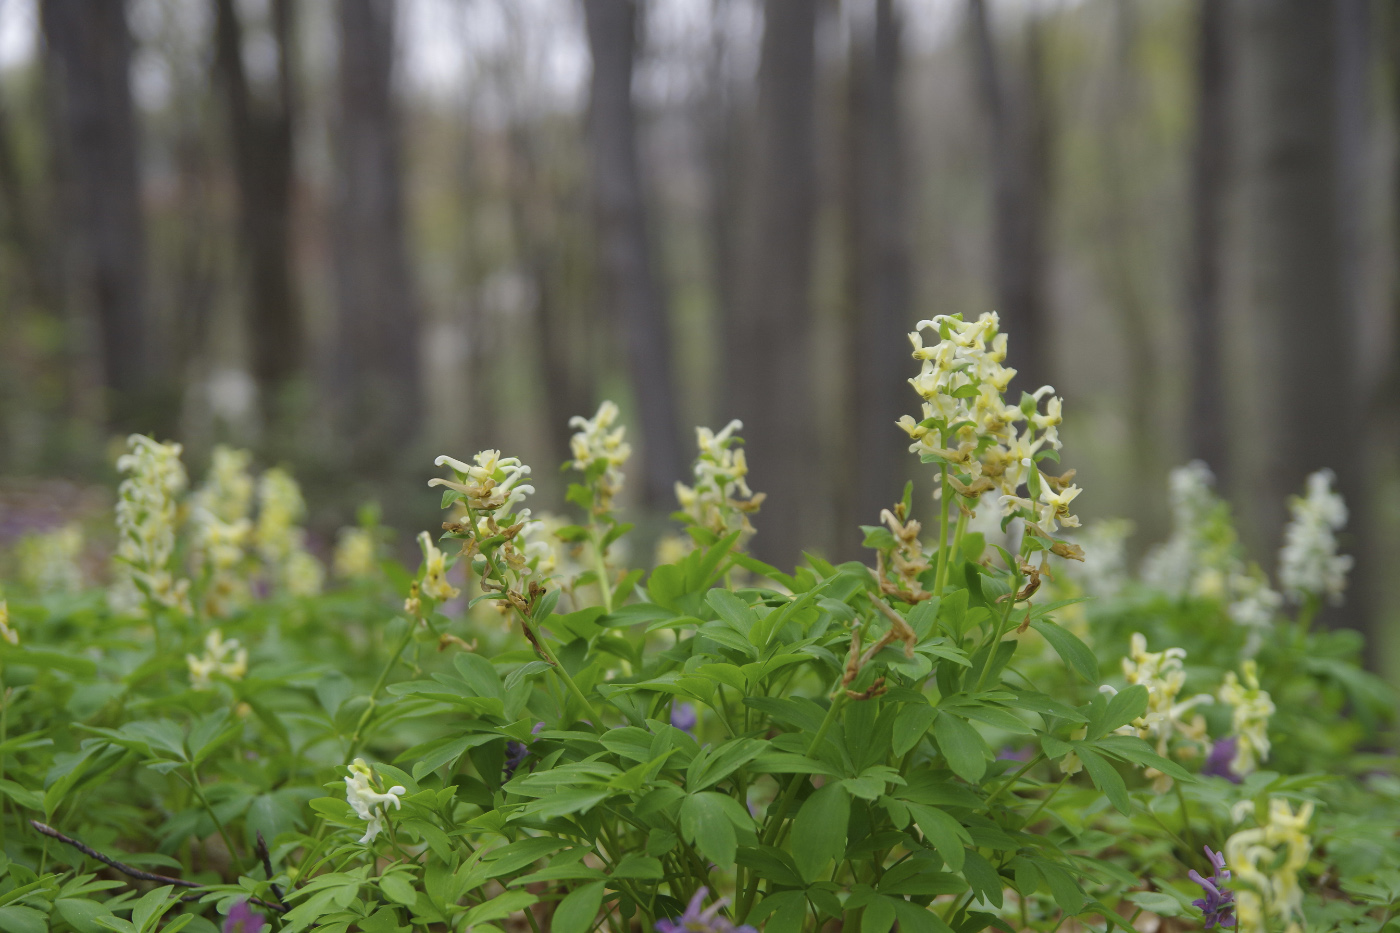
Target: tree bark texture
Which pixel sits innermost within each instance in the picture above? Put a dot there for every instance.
(1296, 273)
(261, 139)
(769, 378)
(1207, 435)
(88, 58)
(878, 316)
(1017, 137)
(379, 366)
(629, 280)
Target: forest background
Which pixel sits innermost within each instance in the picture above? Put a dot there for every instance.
(354, 234)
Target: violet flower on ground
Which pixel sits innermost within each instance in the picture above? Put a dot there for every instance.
(1221, 757)
(684, 717)
(695, 920)
(1218, 904)
(516, 753)
(244, 919)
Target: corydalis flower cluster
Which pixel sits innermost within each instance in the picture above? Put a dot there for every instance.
(432, 581)
(1267, 860)
(48, 560)
(720, 500)
(1203, 559)
(968, 425)
(491, 487)
(222, 528)
(491, 483)
(1309, 565)
(367, 802)
(280, 539)
(225, 658)
(599, 451)
(1250, 720)
(146, 517)
(1163, 674)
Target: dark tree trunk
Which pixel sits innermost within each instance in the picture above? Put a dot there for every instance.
(628, 277)
(1017, 122)
(1356, 478)
(261, 138)
(769, 377)
(1294, 230)
(877, 244)
(375, 290)
(1207, 436)
(88, 51)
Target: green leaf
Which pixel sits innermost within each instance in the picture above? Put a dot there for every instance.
(16, 919)
(915, 918)
(705, 822)
(1070, 649)
(1123, 708)
(962, 746)
(819, 831)
(577, 911)
(398, 888)
(643, 867)
(878, 916)
(732, 609)
(985, 881)
(788, 910)
(1163, 905)
(1106, 779)
(81, 913)
(910, 726)
(498, 908)
(1133, 749)
(946, 834)
(152, 907)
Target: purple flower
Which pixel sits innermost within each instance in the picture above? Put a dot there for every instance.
(683, 717)
(695, 920)
(1218, 905)
(243, 919)
(1221, 757)
(1012, 753)
(516, 753)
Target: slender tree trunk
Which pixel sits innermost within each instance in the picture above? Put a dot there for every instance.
(1210, 159)
(88, 50)
(1018, 134)
(261, 138)
(626, 259)
(769, 376)
(375, 289)
(1294, 232)
(878, 247)
(1356, 478)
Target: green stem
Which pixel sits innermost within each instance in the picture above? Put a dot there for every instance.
(1035, 759)
(775, 821)
(600, 567)
(941, 575)
(559, 669)
(223, 833)
(374, 692)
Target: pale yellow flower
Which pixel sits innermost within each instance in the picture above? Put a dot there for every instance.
(1252, 709)
(1265, 862)
(224, 658)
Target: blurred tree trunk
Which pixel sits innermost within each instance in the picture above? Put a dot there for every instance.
(629, 279)
(378, 360)
(879, 300)
(1207, 437)
(1018, 134)
(261, 138)
(88, 59)
(1356, 477)
(769, 334)
(720, 119)
(1297, 269)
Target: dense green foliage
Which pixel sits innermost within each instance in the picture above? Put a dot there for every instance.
(952, 740)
